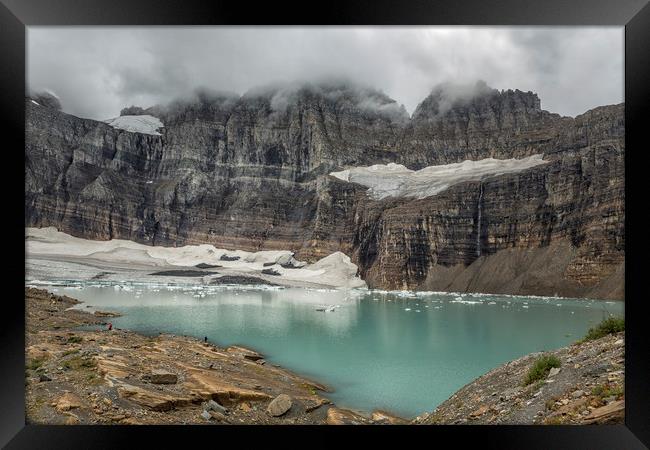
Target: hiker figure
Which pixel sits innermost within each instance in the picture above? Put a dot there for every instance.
(205, 339)
(110, 326)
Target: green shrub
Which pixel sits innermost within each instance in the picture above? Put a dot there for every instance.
(604, 391)
(75, 340)
(540, 369)
(599, 390)
(35, 363)
(78, 362)
(610, 325)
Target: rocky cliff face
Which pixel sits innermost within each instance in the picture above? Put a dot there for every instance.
(251, 173)
(475, 122)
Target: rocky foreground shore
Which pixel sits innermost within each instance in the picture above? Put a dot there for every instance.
(121, 377)
(587, 387)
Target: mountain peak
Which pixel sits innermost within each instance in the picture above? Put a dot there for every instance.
(451, 96)
(335, 93)
(46, 98)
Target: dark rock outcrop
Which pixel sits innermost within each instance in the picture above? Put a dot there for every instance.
(251, 173)
(47, 100)
(455, 123)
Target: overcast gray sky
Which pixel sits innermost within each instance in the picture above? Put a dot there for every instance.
(96, 71)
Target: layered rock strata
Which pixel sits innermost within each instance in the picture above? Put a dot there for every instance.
(252, 173)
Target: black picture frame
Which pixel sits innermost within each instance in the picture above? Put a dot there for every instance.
(15, 15)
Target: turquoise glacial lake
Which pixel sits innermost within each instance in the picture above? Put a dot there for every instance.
(399, 352)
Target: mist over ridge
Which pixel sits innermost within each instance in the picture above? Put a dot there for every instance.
(97, 71)
(336, 92)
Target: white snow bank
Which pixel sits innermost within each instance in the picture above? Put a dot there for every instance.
(395, 180)
(139, 124)
(335, 270)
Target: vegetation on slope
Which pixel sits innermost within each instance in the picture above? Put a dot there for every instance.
(610, 325)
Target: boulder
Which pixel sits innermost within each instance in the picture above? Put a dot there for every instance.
(279, 405)
(155, 401)
(270, 272)
(245, 352)
(577, 393)
(68, 401)
(161, 376)
(612, 413)
(554, 371)
(208, 384)
(211, 405)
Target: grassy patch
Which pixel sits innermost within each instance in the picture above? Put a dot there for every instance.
(77, 363)
(93, 379)
(540, 369)
(75, 340)
(35, 363)
(604, 390)
(309, 387)
(70, 352)
(610, 325)
(555, 420)
(550, 404)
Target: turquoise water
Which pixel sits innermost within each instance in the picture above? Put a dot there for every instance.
(403, 353)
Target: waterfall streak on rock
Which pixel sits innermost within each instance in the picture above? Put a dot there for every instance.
(478, 221)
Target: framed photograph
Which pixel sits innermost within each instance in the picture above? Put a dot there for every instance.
(417, 217)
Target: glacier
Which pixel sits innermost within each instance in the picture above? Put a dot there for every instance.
(333, 271)
(145, 124)
(396, 180)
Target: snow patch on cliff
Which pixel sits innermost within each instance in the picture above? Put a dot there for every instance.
(138, 124)
(395, 180)
(335, 270)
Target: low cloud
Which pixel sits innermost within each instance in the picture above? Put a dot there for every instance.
(98, 71)
(336, 90)
(448, 94)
